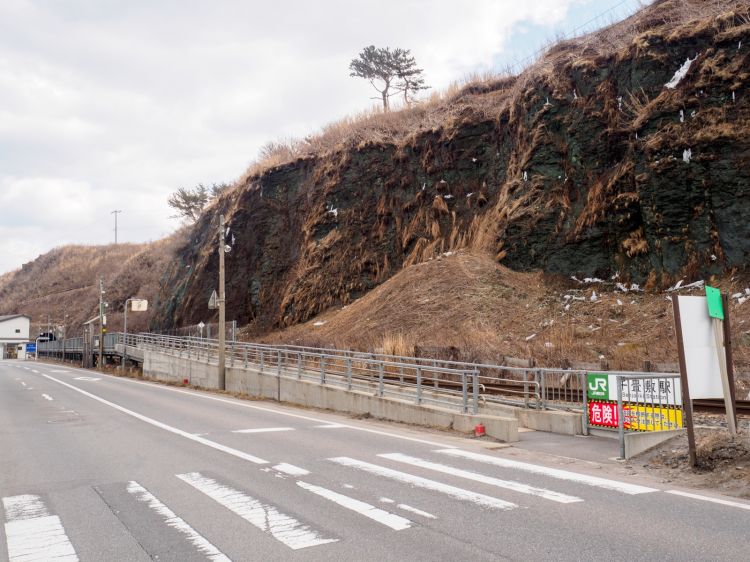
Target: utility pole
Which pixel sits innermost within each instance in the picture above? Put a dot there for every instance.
(115, 213)
(102, 324)
(222, 307)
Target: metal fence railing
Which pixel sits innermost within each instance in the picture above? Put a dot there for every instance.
(424, 384)
(429, 380)
(631, 402)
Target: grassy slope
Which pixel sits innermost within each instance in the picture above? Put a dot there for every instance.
(486, 310)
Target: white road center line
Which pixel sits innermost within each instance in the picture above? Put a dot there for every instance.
(23, 383)
(330, 426)
(263, 430)
(34, 534)
(47, 397)
(267, 518)
(171, 519)
(416, 511)
(709, 499)
(596, 481)
(419, 482)
(395, 522)
(476, 477)
(203, 441)
(291, 469)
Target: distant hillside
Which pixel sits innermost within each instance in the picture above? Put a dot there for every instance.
(65, 281)
(624, 152)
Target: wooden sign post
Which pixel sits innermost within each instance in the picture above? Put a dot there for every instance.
(716, 312)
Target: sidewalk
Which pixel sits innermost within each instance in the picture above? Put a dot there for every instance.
(589, 448)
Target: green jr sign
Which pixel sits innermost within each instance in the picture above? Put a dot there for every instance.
(713, 297)
(597, 386)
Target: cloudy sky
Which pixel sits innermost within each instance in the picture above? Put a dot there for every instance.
(114, 104)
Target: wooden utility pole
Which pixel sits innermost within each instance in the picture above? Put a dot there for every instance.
(222, 307)
(102, 324)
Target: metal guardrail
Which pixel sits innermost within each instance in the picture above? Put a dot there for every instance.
(430, 380)
(646, 402)
(423, 384)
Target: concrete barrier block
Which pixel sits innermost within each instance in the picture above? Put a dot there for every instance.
(637, 443)
(554, 421)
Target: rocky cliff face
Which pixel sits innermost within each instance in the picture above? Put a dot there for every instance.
(622, 153)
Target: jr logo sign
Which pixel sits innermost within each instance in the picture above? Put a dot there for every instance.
(598, 386)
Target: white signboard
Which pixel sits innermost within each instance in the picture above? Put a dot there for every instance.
(658, 391)
(139, 305)
(701, 358)
(662, 391)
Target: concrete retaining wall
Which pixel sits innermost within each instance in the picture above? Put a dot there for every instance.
(554, 421)
(250, 381)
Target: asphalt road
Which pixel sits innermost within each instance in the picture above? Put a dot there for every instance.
(100, 468)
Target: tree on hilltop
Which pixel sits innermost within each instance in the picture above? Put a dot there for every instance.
(189, 203)
(389, 72)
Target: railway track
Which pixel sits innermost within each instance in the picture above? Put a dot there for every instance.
(574, 395)
(717, 406)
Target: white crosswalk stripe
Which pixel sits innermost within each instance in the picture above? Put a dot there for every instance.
(395, 522)
(507, 484)
(551, 472)
(425, 483)
(267, 518)
(171, 519)
(33, 534)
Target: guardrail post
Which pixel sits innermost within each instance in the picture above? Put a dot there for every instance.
(348, 373)
(261, 360)
(245, 357)
(541, 385)
(278, 372)
(380, 380)
(620, 420)
(584, 389)
(475, 391)
(401, 374)
(419, 385)
(464, 395)
(299, 365)
(322, 369)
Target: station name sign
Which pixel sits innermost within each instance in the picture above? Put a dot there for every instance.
(654, 391)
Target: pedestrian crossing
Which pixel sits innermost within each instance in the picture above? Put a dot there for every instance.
(422, 490)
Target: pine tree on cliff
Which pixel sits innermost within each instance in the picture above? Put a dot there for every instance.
(189, 203)
(389, 72)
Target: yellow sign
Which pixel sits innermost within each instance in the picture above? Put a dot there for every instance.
(651, 418)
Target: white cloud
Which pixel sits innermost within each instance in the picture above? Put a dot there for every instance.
(109, 104)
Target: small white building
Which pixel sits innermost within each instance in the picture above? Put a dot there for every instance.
(14, 330)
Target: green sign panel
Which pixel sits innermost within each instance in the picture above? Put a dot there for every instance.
(713, 296)
(597, 386)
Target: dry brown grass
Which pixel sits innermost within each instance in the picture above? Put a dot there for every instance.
(471, 308)
(485, 96)
(486, 311)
